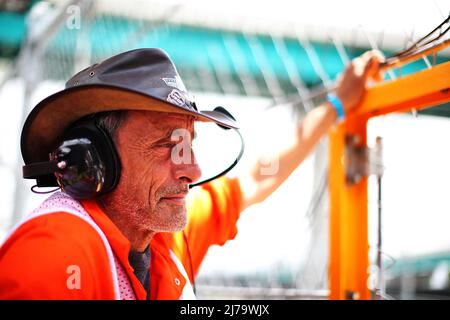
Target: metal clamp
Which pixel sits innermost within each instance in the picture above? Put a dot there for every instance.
(362, 161)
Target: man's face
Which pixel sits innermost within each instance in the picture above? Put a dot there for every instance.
(154, 182)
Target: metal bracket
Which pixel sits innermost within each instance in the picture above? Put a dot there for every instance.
(362, 161)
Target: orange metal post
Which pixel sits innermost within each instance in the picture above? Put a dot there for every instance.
(348, 217)
(423, 89)
(349, 247)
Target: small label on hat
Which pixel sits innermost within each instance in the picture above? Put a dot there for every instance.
(177, 97)
(175, 83)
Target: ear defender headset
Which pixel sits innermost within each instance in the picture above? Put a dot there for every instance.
(86, 164)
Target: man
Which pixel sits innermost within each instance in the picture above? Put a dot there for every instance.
(107, 141)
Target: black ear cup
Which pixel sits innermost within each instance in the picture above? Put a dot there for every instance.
(88, 163)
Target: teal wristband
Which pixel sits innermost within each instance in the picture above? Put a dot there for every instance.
(337, 105)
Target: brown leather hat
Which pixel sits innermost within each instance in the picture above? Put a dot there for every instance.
(141, 79)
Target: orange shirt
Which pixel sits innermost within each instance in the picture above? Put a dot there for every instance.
(35, 259)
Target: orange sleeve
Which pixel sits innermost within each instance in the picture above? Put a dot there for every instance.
(55, 256)
(213, 211)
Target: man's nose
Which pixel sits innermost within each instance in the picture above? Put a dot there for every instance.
(188, 171)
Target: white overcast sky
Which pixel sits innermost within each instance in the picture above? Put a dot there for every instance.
(394, 18)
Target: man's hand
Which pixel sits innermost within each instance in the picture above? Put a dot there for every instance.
(351, 84)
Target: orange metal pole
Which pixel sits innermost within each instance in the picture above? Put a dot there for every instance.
(349, 245)
(348, 242)
(419, 90)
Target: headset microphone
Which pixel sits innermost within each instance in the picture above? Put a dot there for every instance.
(239, 156)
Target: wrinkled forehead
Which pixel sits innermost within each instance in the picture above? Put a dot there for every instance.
(160, 123)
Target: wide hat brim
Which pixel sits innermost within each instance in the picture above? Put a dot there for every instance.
(53, 115)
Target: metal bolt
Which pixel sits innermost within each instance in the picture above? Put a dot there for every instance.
(62, 165)
(351, 295)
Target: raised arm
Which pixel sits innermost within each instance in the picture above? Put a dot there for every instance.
(257, 185)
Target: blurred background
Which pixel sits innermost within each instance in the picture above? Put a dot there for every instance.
(266, 62)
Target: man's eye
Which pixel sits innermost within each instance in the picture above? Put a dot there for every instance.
(167, 145)
(173, 144)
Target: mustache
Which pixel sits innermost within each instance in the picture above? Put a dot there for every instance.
(183, 189)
